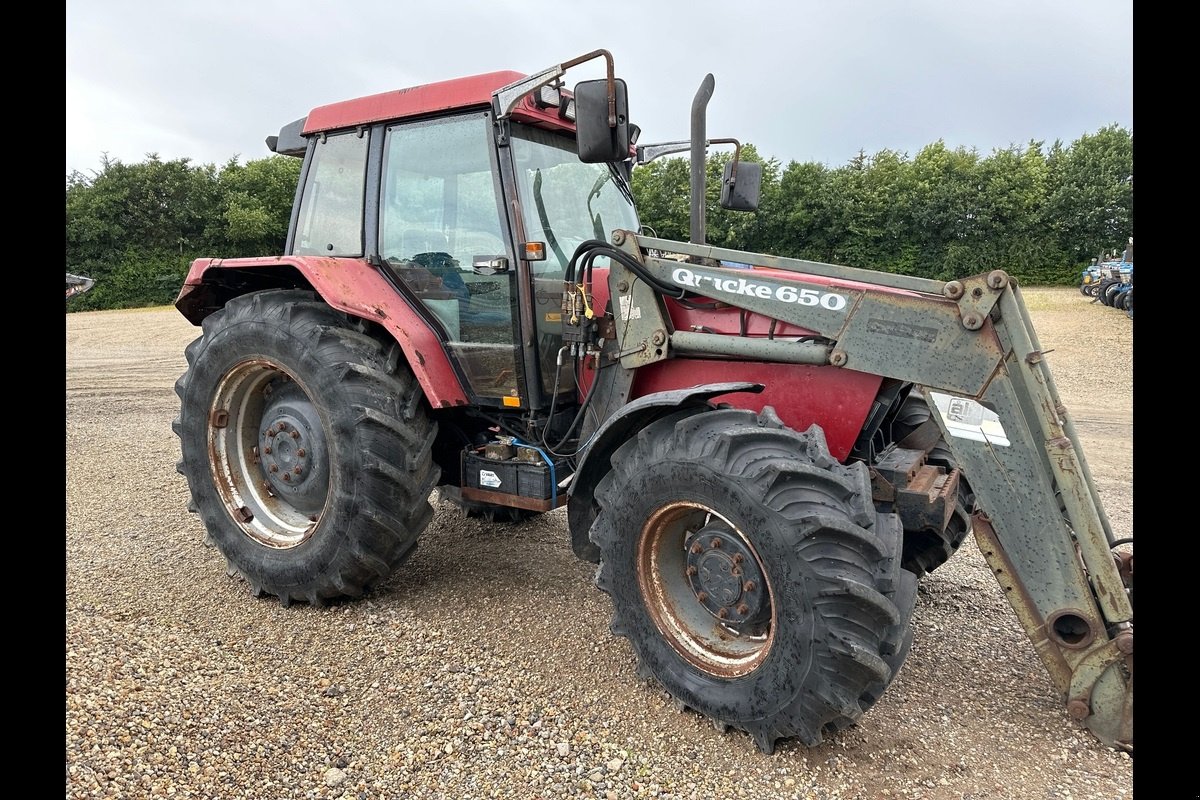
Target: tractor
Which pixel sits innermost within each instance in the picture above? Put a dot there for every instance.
(763, 455)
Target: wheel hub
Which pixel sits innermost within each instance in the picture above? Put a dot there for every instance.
(725, 577)
(292, 448)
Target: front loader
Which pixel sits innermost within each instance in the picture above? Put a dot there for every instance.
(762, 454)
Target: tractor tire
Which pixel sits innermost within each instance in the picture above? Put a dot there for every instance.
(1092, 289)
(1102, 289)
(751, 573)
(1110, 293)
(1129, 304)
(1120, 300)
(926, 550)
(306, 446)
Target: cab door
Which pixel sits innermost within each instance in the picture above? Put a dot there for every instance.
(440, 211)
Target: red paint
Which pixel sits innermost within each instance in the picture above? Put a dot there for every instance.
(475, 90)
(836, 399)
(353, 286)
(458, 93)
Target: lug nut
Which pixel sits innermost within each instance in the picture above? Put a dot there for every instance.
(715, 542)
(748, 586)
(296, 470)
(274, 468)
(722, 612)
(743, 609)
(267, 450)
(691, 571)
(738, 558)
(701, 596)
(295, 434)
(697, 549)
(287, 476)
(300, 452)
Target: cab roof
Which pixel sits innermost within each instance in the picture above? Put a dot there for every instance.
(474, 90)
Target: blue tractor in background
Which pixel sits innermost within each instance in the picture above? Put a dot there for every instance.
(1109, 279)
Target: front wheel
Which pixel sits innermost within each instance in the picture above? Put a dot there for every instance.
(751, 574)
(306, 447)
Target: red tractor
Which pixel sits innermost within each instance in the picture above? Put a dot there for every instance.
(762, 454)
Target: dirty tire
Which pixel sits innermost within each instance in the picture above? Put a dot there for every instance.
(926, 550)
(344, 421)
(825, 624)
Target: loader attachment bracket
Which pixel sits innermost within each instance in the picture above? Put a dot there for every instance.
(977, 296)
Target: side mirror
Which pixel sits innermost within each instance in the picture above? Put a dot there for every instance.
(599, 143)
(741, 194)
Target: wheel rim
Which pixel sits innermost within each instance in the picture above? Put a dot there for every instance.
(705, 588)
(269, 454)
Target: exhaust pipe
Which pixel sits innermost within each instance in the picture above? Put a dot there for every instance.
(699, 147)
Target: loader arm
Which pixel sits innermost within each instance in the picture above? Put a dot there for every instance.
(972, 348)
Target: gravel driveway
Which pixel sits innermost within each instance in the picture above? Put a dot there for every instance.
(484, 667)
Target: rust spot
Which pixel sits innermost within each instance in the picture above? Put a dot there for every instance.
(379, 312)
(420, 358)
(1079, 709)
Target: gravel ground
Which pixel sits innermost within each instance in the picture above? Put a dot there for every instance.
(484, 667)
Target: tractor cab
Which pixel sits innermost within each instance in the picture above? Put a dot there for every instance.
(473, 217)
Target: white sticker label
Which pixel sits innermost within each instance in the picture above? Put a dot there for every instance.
(488, 478)
(626, 311)
(967, 419)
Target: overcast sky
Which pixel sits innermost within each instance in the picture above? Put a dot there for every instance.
(806, 81)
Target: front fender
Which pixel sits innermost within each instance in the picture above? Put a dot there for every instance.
(616, 430)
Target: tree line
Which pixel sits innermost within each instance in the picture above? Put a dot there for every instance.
(1039, 212)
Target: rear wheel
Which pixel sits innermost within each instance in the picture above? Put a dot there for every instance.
(751, 574)
(306, 447)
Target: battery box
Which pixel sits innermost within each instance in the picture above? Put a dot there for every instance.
(515, 476)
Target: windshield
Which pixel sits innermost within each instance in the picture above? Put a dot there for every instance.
(565, 202)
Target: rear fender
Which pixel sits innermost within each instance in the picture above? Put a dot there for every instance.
(348, 284)
(616, 430)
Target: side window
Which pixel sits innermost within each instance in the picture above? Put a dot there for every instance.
(331, 208)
